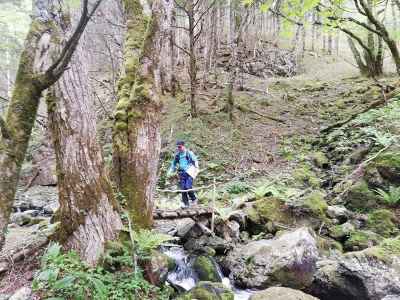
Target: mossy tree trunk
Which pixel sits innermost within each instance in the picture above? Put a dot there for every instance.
(36, 72)
(88, 210)
(136, 133)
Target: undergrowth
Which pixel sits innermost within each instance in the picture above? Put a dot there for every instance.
(65, 276)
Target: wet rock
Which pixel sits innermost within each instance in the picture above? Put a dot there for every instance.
(22, 294)
(289, 260)
(157, 267)
(281, 293)
(4, 297)
(205, 290)
(206, 269)
(24, 218)
(43, 199)
(197, 245)
(370, 274)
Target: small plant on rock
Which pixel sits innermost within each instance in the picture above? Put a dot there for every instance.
(390, 197)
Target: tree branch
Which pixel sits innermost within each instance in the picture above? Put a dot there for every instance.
(4, 99)
(179, 47)
(58, 67)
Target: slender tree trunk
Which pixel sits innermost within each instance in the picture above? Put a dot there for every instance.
(136, 135)
(192, 60)
(88, 210)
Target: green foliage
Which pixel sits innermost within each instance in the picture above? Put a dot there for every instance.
(238, 188)
(390, 197)
(225, 213)
(148, 240)
(65, 276)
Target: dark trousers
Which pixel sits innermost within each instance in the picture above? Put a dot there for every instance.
(186, 183)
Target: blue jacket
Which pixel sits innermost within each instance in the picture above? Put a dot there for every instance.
(183, 161)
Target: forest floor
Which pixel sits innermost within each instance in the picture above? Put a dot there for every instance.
(254, 147)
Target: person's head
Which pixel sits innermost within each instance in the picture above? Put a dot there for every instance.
(180, 146)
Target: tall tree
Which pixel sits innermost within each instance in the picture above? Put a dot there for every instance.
(195, 12)
(136, 132)
(35, 74)
(88, 210)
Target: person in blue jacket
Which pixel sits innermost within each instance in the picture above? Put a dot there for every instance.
(181, 162)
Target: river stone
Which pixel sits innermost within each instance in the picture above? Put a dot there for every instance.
(289, 260)
(359, 275)
(206, 269)
(22, 294)
(206, 290)
(183, 226)
(198, 244)
(281, 293)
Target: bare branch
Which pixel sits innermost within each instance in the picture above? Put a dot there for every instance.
(58, 67)
(4, 99)
(203, 13)
(179, 47)
(180, 27)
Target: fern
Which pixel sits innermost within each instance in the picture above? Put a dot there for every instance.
(225, 213)
(391, 197)
(148, 240)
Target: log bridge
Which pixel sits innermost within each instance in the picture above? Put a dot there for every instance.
(159, 214)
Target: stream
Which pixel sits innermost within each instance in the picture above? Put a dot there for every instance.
(184, 277)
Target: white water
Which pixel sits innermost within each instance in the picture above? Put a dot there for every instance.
(185, 278)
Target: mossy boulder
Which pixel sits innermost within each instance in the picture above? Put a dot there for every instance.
(326, 245)
(361, 197)
(156, 268)
(381, 221)
(388, 166)
(263, 213)
(281, 293)
(206, 269)
(206, 290)
(361, 239)
(368, 274)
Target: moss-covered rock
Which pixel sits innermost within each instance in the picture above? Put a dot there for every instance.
(326, 245)
(387, 251)
(361, 239)
(319, 159)
(206, 269)
(341, 232)
(316, 204)
(206, 290)
(381, 222)
(265, 211)
(360, 197)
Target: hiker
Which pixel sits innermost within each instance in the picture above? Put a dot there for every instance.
(187, 164)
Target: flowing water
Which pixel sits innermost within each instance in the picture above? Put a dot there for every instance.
(184, 278)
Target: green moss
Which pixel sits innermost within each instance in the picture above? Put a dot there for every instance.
(305, 175)
(208, 291)
(316, 204)
(340, 232)
(206, 269)
(360, 197)
(360, 240)
(381, 222)
(320, 160)
(385, 251)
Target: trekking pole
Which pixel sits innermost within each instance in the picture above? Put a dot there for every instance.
(213, 207)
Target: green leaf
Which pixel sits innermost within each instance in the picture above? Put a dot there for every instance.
(48, 275)
(64, 283)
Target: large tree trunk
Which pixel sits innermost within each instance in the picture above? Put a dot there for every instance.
(136, 135)
(21, 113)
(88, 210)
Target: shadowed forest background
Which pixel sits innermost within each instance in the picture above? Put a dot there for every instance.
(291, 106)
